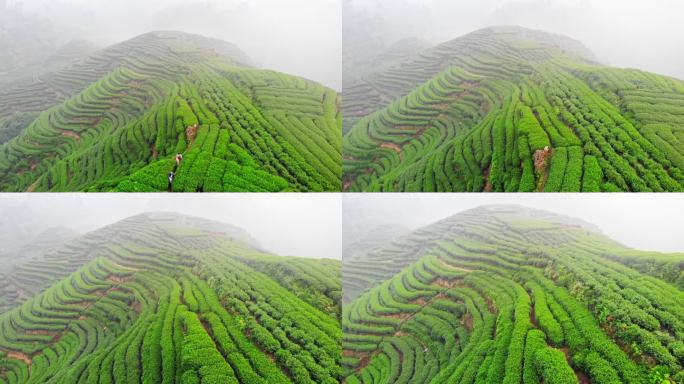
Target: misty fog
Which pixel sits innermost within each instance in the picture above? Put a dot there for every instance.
(621, 33)
(304, 225)
(300, 37)
(650, 222)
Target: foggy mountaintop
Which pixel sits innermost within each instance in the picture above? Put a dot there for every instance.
(650, 223)
(630, 33)
(287, 225)
(299, 37)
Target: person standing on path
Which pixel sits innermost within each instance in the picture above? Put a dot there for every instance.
(172, 175)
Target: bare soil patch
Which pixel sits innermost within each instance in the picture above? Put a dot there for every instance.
(20, 356)
(454, 267)
(71, 134)
(190, 134)
(391, 146)
(488, 185)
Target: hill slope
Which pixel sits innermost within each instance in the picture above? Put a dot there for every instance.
(509, 109)
(116, 120)
(505, 294)
(164, 298)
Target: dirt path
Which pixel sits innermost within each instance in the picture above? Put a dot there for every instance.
(581, 376)
(488, 184)
(71, 134)
(118, 280)
(396, 148)
(41, 332)
(20, 356)
(453, 267)
(541, 159)
(32, 187)
(190, 134)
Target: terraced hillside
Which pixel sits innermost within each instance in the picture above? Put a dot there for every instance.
(505, 294)
(164, 298)
(116, 120)
(509, 109)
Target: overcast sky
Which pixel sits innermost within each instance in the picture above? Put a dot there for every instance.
(310, 225)
(305, 225)
(642, 221)
(626, 33)
(301, 37)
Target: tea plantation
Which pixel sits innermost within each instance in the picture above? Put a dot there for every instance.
(505, 294)
(510, 109)
(164, 298)
(116, 120)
